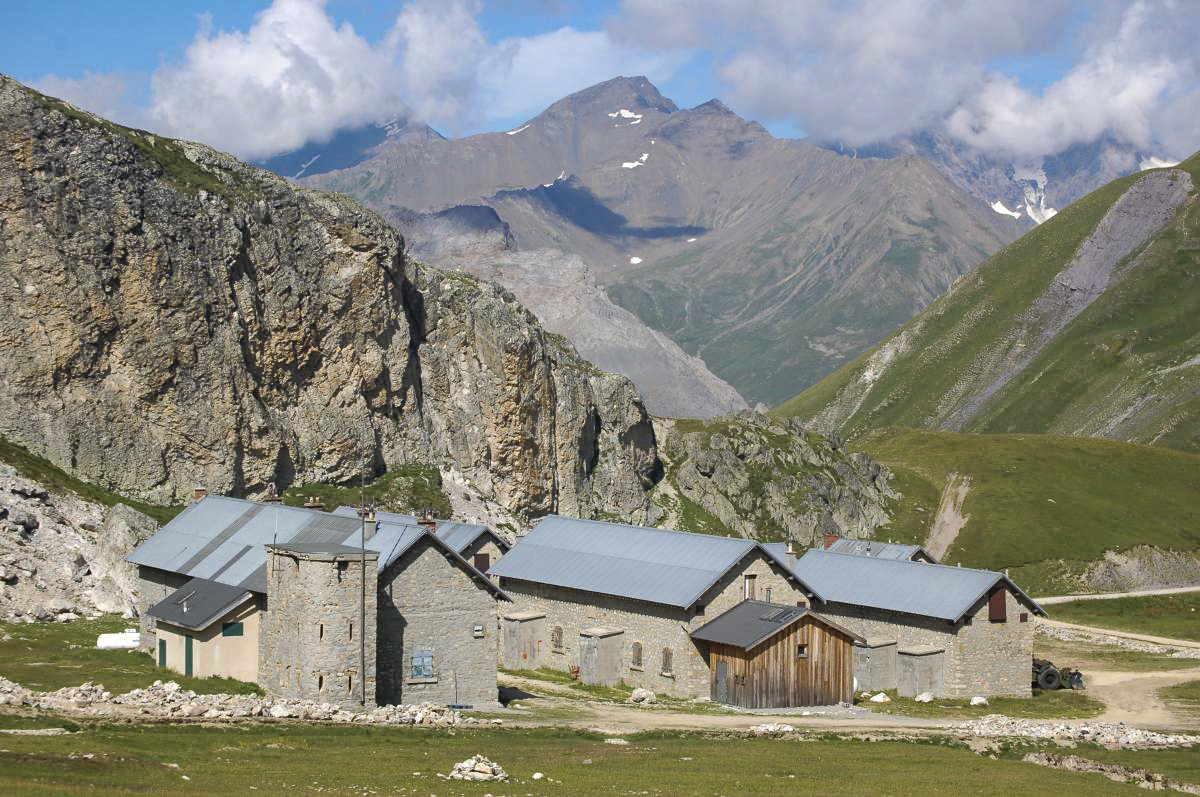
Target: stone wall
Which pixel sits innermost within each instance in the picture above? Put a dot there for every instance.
(429, 602)
(485, 544)
(309, 648)
(653, 626)
(982, 658)
(154, 585)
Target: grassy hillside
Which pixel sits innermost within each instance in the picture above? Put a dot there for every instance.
(1038, 505)
(1125, 367)
(1172, 616)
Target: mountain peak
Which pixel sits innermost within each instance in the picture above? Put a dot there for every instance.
(633, 93)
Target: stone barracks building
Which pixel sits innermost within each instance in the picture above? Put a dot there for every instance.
(615, 602)
(275, 595)
(951, 631)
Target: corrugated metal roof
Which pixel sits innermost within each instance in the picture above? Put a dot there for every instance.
(224, 539)
(198, 604)
(753, 622)
(900, 585)
(657, 565)
(459, 536)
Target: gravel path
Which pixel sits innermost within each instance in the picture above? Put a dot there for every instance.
(1109, 595)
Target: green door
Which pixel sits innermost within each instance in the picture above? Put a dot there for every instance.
(187, 655)
(162, 653)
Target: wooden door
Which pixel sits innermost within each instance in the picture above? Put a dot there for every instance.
(482, 562)
(162, 653)
(187, 655)
(722, 688)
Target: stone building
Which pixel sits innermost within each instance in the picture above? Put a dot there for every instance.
(275, 595)
(619, 602)
(952, 631)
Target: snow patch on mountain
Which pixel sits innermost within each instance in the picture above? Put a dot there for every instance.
(636, 163)
(1152, 162)
(999, 207)
(514, 132)
(304, 166)
(635, 260)
(625, 113)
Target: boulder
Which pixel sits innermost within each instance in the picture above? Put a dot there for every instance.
(979, 700)
(881, 698)
(924, 697)
(643, 696)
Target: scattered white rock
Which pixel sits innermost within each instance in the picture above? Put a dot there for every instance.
(881, 698)
(538, 776)
(979, 700)
(478, 768)
(772, 729)
(617, 742)
(1118, 735)
(634, 260)
(643, 696)
(924, 697)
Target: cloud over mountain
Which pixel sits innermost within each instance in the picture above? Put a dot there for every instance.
(866, 70)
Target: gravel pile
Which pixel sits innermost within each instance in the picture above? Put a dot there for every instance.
(1097, 638)
(1118, 735)
(169, 700)
(478, 768)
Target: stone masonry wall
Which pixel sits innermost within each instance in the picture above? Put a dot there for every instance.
(655, 626)
(484, 544)
(982, 658)
(154, 585)
(428, 602)
(309, 648)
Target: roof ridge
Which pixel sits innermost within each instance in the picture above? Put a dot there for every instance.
(956, 568)
(636, 527)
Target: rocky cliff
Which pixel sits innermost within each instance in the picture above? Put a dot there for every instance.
(175, 317)
(769, 479)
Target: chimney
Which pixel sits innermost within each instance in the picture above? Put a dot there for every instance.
(367, 513)
(830, 539)
(426, 520)
(198, 493)
(272, 497)
(315, 503)
(791, 549)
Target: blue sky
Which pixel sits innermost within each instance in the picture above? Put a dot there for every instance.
(1028, 76)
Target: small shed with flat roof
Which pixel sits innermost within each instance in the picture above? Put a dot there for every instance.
(763, 655)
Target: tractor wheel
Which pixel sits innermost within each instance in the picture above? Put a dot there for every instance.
(1049, 679)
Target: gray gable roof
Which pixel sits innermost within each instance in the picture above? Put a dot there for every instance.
(752, 622)
(224, 540)
(900, 585)
(674, 568)
(881, 550)
(198, 604)
(459, 536)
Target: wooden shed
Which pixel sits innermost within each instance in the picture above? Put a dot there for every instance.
(763, 655)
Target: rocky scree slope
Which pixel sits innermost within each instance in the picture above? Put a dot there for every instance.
(1088, 325)
(175, 317)
(564, 294)
(63, 556)
(770, 479)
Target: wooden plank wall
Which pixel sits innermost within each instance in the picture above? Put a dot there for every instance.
(772, 676)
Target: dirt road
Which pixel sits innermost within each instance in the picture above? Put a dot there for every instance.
(1132, 697)
(1109, 595)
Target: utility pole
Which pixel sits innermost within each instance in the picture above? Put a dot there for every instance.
(362, 606)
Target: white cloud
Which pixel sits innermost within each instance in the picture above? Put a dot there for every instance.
(866, 70)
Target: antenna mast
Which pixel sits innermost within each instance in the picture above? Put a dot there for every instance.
(362, 606)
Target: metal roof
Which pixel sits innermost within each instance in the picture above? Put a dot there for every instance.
(880, 550)
(198, 604)
(224, 539)
(459, 536)
(674, 568)
(752, 622)
(900, 585)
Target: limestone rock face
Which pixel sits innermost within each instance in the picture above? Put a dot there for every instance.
(174, 317)
(770, 479)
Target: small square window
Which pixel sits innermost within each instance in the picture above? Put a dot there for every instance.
(1024, 617)
(802, 651)
(232, 629)
(768, 594)
(422, 664)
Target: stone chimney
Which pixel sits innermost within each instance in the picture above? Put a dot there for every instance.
(791, 545)
(198, 493)
(315, 503)
(830, 539)
(272, 497)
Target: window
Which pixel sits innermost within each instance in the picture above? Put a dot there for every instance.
(232, 629)
(768, 594)
(556, 637)
(699, 609)
(349, 684)
(351, 630)
(802, 651)
(422, 664)
(320, 630)
(1024, 617)
(997, 610)
(482, 562)
(635, 659)
(667, 662)
(320, 683)
(748, 587)
(967, 620)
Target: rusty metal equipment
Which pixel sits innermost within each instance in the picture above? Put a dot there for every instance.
(1048, 677)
